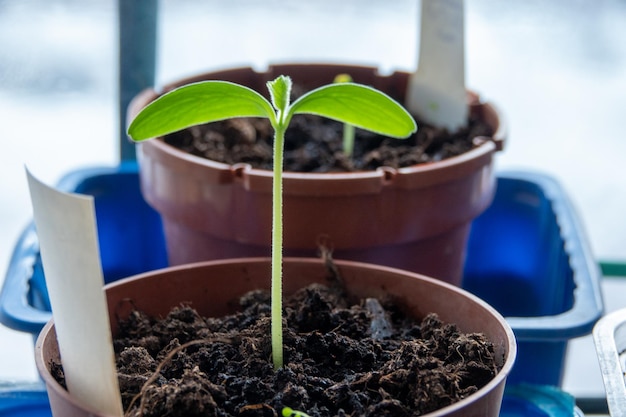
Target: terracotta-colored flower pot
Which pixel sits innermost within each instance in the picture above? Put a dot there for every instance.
(213, 289)
(415, 218)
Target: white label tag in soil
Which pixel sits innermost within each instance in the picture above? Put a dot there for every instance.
(68, 239)
(436, 92)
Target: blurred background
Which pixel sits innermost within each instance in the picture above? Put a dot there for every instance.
(555, 68)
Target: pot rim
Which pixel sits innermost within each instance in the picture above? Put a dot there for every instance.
(414, 176)
(500, 377)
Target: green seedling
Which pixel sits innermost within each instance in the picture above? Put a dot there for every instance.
(211, 101)
(348, 130)
(290, 412)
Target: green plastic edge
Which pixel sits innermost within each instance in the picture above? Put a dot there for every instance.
(613, 269)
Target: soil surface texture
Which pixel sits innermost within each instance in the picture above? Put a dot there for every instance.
(314, 144)
(343, 357)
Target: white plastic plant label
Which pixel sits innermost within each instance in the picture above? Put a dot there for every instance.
(68, 239)
(436, 91)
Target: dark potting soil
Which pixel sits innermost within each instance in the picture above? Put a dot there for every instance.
(341, 359)
(314, 144)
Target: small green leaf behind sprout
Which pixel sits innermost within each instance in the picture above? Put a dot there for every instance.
(211, 101)
(348, 130)
(290, 412)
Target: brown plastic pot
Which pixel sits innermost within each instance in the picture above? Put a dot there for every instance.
(214, 287)
(415, 218)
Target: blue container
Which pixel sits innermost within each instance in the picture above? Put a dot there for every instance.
(527, 401)
(24, 400)
(527, 256)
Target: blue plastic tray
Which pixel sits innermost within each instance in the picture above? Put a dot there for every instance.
(524, 401)
(24, 400)
(528, 256)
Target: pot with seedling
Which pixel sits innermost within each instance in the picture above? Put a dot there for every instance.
(389, 300)
(401, 213)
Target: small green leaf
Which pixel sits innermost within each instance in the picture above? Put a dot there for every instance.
(360, 106)
(290, 412)
(342, 78)
(280, 91)
(193, 104)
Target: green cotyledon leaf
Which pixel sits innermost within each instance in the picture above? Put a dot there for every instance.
(197, 103)
(360, 106)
